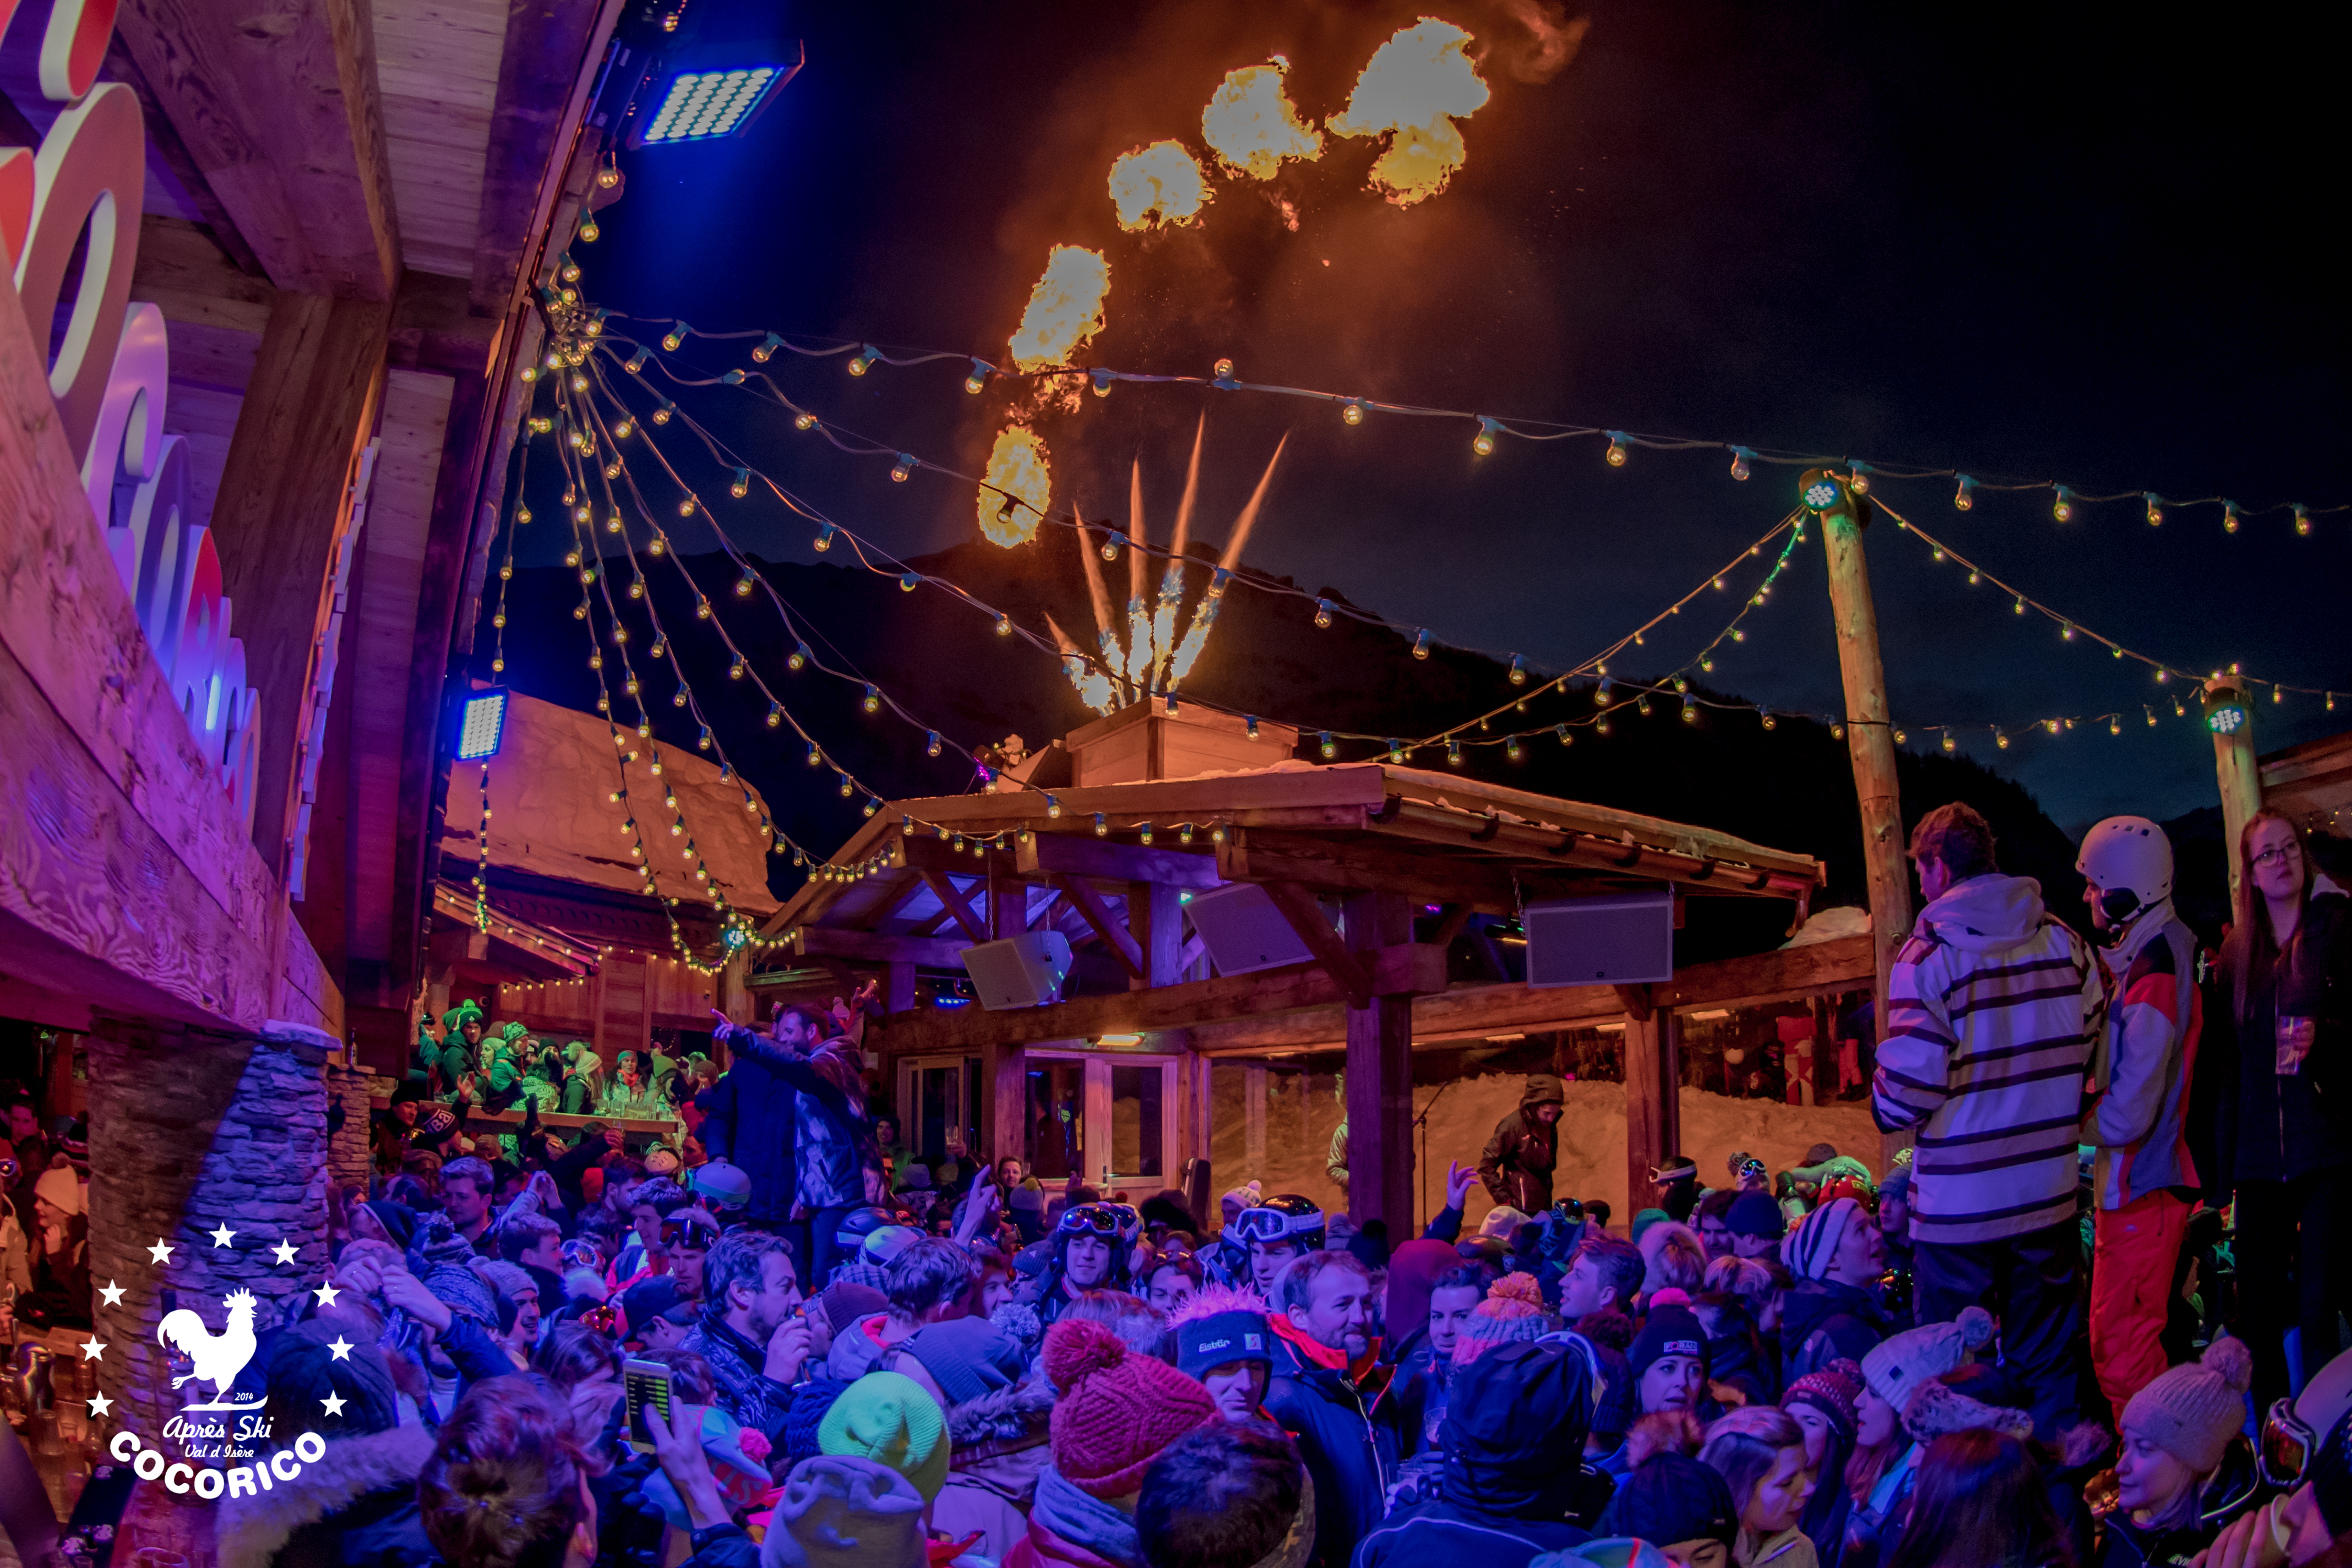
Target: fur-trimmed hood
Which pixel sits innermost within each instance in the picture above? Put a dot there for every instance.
(252, 1531)
(1003, 1419)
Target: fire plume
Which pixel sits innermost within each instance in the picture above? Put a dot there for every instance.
(1414, 90)
(1159, 186)
(1016, 468)
(1065, 309)
(1251, 126)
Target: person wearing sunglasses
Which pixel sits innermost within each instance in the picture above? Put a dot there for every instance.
(2279, 1010)
(1091, 1242)
(2311, 1526)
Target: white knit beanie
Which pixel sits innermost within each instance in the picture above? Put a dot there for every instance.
(2191, 1411)
(1896, 1368)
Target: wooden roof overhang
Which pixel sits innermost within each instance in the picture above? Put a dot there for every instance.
(925, 878)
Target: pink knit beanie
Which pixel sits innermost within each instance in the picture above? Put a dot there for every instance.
(1512, 1312)
(1117, 1411)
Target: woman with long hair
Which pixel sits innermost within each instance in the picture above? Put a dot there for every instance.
(1979, 1503)
(1761, 1453)
(2282, 1134)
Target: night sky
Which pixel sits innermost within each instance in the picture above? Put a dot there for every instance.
(2043, 245)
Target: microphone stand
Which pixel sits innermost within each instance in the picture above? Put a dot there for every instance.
(1422, 1121)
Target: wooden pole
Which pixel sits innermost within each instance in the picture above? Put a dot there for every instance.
(1652, 1093)
(1380, 1078)
(2230, 715)
(1869, 733)
(1870, 741)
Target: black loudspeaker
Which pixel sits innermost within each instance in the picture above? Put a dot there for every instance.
(1018, 972)
(1244, 931)
(1612, 939)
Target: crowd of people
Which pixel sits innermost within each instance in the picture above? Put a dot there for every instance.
(2091, 1320)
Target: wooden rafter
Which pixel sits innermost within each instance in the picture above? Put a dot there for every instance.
(953, 902)
(1330, 950)
(1096, 914)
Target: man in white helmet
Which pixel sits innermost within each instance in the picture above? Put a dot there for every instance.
(2140, 1077)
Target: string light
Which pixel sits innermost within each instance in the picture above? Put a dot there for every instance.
(1616, 453)
(1741, 457)
(1482, 443)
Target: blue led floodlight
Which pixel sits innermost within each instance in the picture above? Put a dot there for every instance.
(481, 726)
(712, 89)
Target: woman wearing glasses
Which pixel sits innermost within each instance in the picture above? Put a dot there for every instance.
(2283, 1134)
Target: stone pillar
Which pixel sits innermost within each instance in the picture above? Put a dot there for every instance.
(190, 1132)
(348, 1153)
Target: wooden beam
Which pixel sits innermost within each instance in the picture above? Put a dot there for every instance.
(1379, 1075)
(892, 901)
(1449, 927)
(1471, 1012)
(276, 104)
(1004, 1097)
(1008, 901)
(1653, 1099)
(164, 138)
(1155, 917)
(1053, 911)
(1405, 969)
(1253, 1121)
(1330, 950)
(1058, 854)
(548, 46)
(1258, 855)
(1096, 914)
(1635, 1000)
(953, 901)
(434, 327)
(280, 512)
(875, 947)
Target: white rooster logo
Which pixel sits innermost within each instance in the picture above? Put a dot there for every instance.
(218, 1360)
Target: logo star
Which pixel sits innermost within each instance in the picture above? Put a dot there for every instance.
(342, 1347)
(91, 1350)
(160, 1253)
(221, 1234)
(326, 1294)
(113, 1293)
(285, 1251)
(100, 1405)
(334, 1404)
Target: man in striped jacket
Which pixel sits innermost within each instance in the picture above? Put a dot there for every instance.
(1992, 1010)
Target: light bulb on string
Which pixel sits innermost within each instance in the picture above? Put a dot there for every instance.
(1616, 453)
(908, 583)
(2155, 509)
(873, 700)
(1860, 476)
(2020, 603)
(805, 421)
(1102, 829)
(1482, 443)
(931, 743)
(744, 584)
(1964, 496)
(2302, 520)
(1323, 614)
(742, 485)
(1330, 748)
(2063, 507)
(904, 468)
(2229, 517)
(775, 715)
(1112, 544)
(1741, 457)
(673, 339)
(864, 360)
(799, 657)
(981, 370)
(1352, 411)
(735, 670)
(1221, 374)
(823, 541)
(663, 409)
(1420, 644)
(1518, 671)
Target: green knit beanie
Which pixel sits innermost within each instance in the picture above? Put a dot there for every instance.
(888, 1417)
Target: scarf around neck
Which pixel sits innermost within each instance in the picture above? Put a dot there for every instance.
(1085, 1520)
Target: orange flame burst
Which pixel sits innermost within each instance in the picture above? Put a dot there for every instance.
(1019, 489)
(1159, 186)
(1251, 126)
(1415, 86)
(1065, 310)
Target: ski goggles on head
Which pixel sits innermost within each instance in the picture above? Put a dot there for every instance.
(2285, 1452)
(1110, 1220)
(1751, 1169)
(1267, 1224)
(688, 1230)
(580, 1254)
